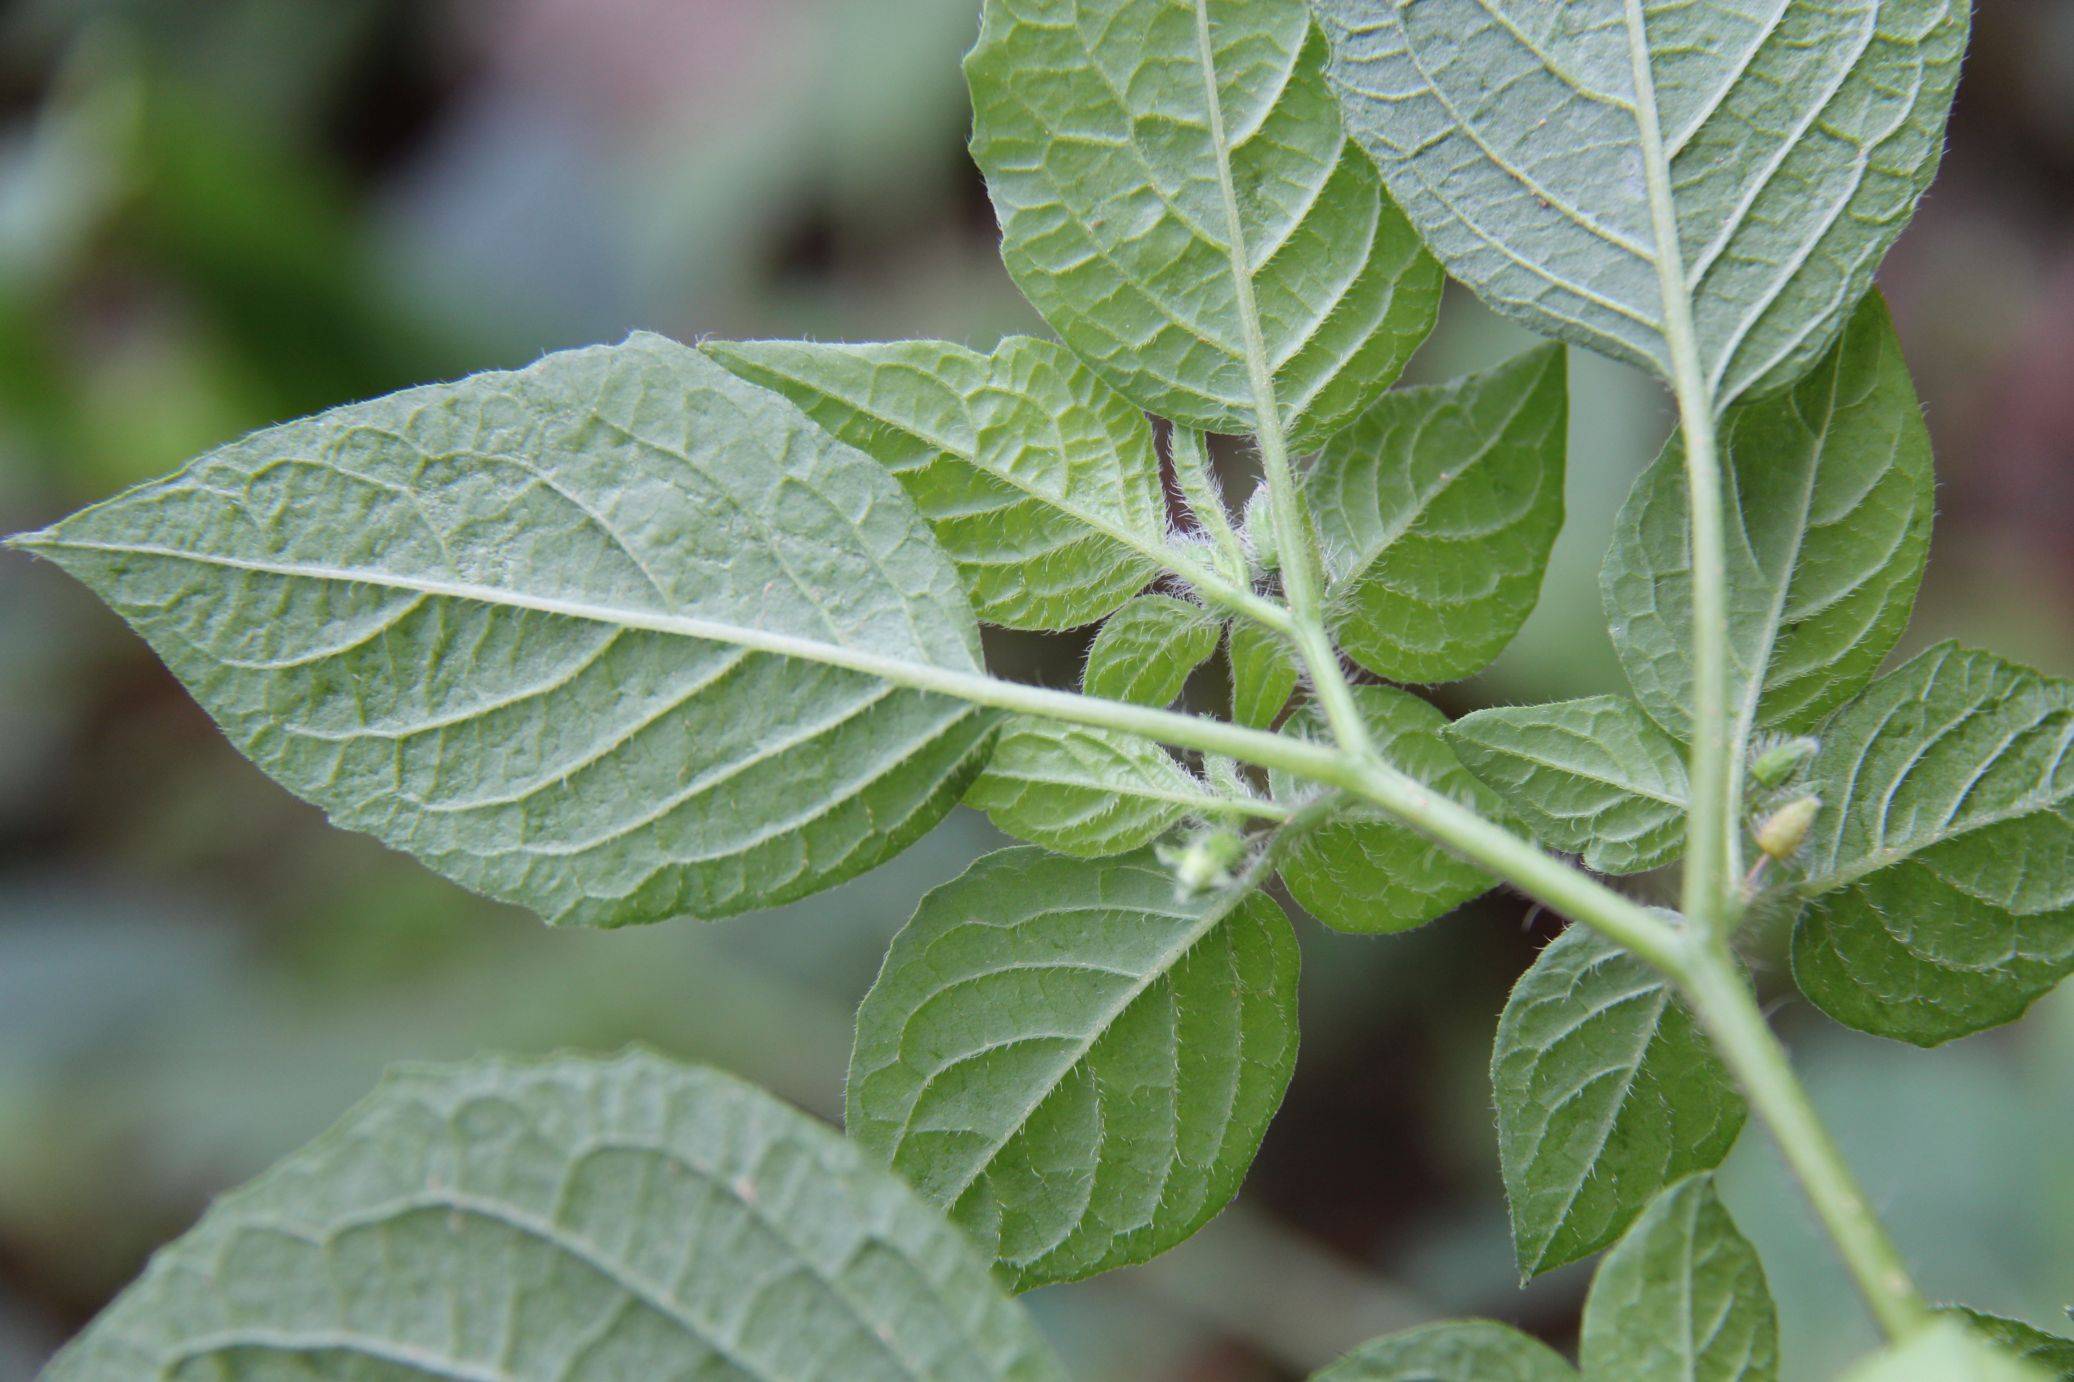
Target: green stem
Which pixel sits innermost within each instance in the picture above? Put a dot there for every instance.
(1727, 1008)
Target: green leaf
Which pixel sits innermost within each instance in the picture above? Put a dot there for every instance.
(1946, 1351)
(1607, 1092)
(1569, 163)
(2050, 1352)
(1682, 1298)
(1263, 674)
(576, 1217)
(1594, 777)
(1436, 511)
(1039, 480)
(584, 637)
(1073, 1060)
(1147, 649)
(1156, 163)
(1455, 1351)
(1086, 792)
(1364, 871)
(1942, 903)
(1828, 492)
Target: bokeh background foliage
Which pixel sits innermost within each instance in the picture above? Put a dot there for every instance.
(218, 216)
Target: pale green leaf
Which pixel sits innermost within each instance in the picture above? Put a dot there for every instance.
(1828, 493)
(1682, 1298)
(1594, 777)
(1263, 674)
(630, 1218)
(1075, 1061)
(1153, 163)
(1086, 792)
(2051, 1352)
(584, 637)
(1436, 511)
(1038, 479)
(1942, 896)
(1146, 651)
(1455, 1351)
(1946, 1351)
(1569, 161)
(1607, 1092)
(1367, 872)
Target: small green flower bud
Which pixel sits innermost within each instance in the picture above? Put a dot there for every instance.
(1786, 829)
(1204, 862)
(1260, 529)
(1775, 764)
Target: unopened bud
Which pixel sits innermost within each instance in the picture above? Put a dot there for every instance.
(1786, 829)
(1260, 529)
(1205, 862)
(1777, 764)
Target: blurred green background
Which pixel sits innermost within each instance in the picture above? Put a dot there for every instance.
(216, 214)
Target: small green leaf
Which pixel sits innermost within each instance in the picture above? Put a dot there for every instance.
(1138, 150)
(1828, 492)
(1575, 164)
(1941, 901)
(1947, 1351)
(571, 1218)
(2050, 1352)
(1436, 511)
(1263, 674)
(1682, 1298)
(1364, 871)
(1607, 1092)
(1073, 1060)
(1086, 792)
(1146, 651)
(1594, 777)
(1455, 1351)
(582, 637)
(1038, 479)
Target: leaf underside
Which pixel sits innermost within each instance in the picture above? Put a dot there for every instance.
(1263, 674)
(1947, 1351)
(1454, 1351)
(1146, 651)
(1074, 1062)
(572, 1218)
(1086, 792)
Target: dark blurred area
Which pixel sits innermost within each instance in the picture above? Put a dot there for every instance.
(217, 214)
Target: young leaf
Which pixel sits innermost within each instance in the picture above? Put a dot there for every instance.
(1454, 1351)
(576, 1217)
(1038, 479)
(1946, 1351)
(1366, 872)
(1607, 1092)
(2050, 1352)
(1089, 792)
(1682, 1298)
(580, 637)
(1577, 165)
(1146, 650)
(1074, 1061)
(1263, 674)
(1942, 903)
(1594, 777)
(1828, 493)
(1155, 165)
(1436, 510)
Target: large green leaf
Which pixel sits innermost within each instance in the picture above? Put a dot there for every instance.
(1087, 792)
(1159, 166)
(573, 1218)
(1436, 511)
(1621, 173)
(1594, 777)
(1075, 1061)
(1947, 1351)
(1681, 1299)
(1942, 897)
(584, 637)
(1607, 1092)
(1038, 479)
(1146, 651)
(1364, 871)
(1455, 1351)
(1828, 493)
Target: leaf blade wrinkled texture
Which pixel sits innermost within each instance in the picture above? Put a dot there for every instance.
(1074, 1061)
(685, 1222)
(1264, 673)
(1452, 1351)
(1093, 122)
(575, 635)
(1145, 651)
(1082, 791)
